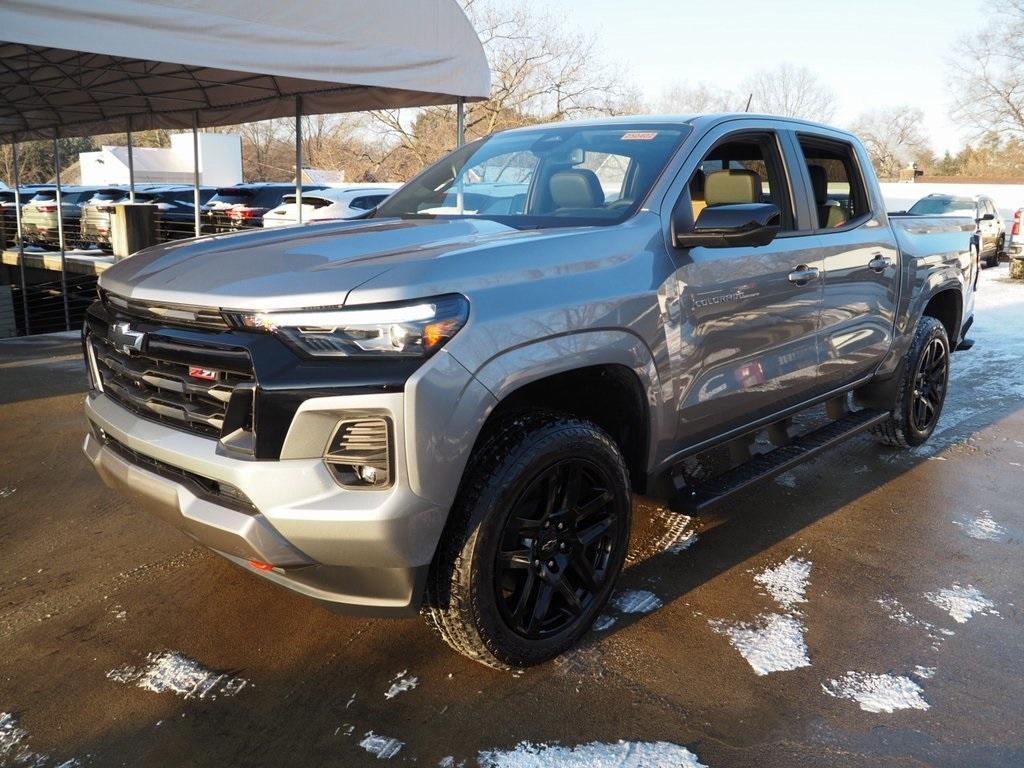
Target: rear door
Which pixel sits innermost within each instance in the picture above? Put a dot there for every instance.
(861, 260)
(742, 322)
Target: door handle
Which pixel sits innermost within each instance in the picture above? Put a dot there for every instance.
(803, 274)
(880, 263)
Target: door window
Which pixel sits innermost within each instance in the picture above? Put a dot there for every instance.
(745, 168)
(836, 183)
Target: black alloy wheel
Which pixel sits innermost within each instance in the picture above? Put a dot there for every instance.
(930, 381)
(556, 548)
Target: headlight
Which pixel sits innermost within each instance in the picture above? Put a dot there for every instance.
(407, 329)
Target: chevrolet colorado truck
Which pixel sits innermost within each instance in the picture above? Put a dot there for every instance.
(446, 405)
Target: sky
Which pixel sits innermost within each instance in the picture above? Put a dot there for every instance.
(871, 53)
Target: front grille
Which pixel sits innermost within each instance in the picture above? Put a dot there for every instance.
(170, 314)
(212, 490)
(165, 391)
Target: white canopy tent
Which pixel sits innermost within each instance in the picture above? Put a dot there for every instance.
(121, 65)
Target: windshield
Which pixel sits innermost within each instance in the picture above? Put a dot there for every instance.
(544, 177)
(946, 206)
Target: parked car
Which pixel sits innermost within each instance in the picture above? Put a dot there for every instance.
(39, 214)
(452, 410)
(243, 205)
(329, 203)
(174, 204)
(990, 235)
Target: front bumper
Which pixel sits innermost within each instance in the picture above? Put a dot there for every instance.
(357, 550)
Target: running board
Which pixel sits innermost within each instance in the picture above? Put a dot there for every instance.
(700, 498)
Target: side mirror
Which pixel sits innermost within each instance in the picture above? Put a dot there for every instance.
(987, 217)
(728, 226)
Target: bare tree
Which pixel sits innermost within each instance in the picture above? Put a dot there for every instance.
(698, 98)
(893, 138)
(988, 77)
(791, 92)
(539, 72)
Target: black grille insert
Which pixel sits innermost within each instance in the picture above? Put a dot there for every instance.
(190, 397)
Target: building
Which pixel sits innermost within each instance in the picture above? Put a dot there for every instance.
(220, 162)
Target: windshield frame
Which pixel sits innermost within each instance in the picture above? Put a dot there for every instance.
(539, 221)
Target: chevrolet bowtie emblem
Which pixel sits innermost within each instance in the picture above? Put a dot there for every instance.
(125, 339)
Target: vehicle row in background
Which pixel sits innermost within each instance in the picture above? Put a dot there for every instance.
(87, 212)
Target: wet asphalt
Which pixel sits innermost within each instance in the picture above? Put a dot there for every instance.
(91, 584)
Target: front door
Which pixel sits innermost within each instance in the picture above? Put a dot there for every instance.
(743, 335)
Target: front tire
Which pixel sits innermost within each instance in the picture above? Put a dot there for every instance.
(922, 389)
(534, 544)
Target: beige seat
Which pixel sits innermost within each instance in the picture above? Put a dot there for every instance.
(830, 213)
(575, 188)
(729, 187)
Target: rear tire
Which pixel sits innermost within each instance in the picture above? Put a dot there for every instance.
(534, 544)
(922, 388)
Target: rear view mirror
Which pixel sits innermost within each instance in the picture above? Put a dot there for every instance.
(729, 226)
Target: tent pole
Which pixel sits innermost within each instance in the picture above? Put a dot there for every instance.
(60, 235)
(21, 242)
(298, 156)
(195, 169)
(460, 112)
(131, 164)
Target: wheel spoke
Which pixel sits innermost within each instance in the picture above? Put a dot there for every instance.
(594, 531)
(583, 568)
(525, 594)
(551, 492)
(569, 595)
(573, 483)
(595, 504)
(540, 608)
(515, 559)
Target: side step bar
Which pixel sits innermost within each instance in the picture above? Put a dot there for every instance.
(700, 498)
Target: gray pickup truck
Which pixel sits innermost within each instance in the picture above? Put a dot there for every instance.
(446, 405)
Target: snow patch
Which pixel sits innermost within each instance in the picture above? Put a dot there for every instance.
(174, 672)
(786, 582)
(11, 735)
(877, 693)
(634, 754)
(604, 622)
(772, 643)
(962, 602)
(895, 610)
(381, 747)
(637, 601)
(787, 480)
(982, 527)
(400, 684)
(924, 673)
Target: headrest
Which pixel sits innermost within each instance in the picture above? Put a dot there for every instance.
(819, 183)
(576, 188)
(732, 186)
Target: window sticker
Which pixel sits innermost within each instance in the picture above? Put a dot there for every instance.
(639, 135)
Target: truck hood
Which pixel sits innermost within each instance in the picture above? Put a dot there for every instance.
(293, 267)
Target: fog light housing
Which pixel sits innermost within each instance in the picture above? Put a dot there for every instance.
(359, 453)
